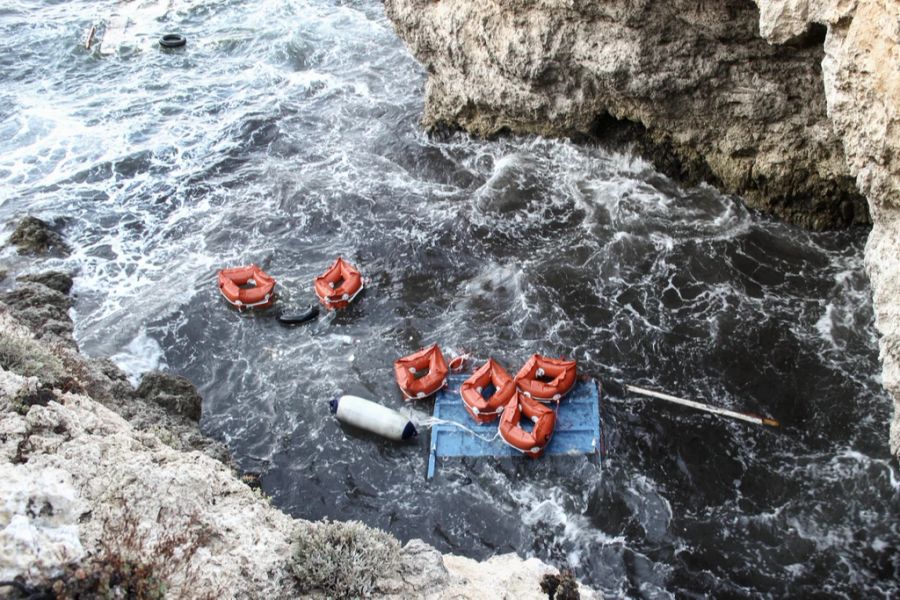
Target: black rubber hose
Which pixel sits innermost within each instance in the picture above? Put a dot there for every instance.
(303, 316)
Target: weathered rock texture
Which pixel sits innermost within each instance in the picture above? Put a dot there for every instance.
(88, 464)
(704, 95)
(862, 89)
(791, 103)
(34, 236)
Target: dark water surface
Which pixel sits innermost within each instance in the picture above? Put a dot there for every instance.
(286, 133)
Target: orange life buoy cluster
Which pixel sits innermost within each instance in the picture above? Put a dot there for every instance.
(338, 286)
(422, 373)
(251, 287)
(541, 379)
(247, 287)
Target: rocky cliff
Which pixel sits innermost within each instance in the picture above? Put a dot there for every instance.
(692, 83)
(110, 491)
(792, 104)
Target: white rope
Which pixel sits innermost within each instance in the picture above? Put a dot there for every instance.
(238, 304)
(421, 395)
(556, 397)
(332, 300)
(432, 421)
(477, 411)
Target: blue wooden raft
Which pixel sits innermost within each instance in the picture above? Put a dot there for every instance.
(577, 426)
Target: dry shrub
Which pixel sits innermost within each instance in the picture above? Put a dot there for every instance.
(129, 564)
(29, 358)
(342, 560)
(560, 587)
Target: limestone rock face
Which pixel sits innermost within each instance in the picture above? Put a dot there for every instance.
(38, 519)
(862, 83)
(862, 91)
(703, 94)
(119, 476)
(425, 573)
(44, 308)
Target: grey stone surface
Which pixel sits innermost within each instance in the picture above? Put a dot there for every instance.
(172, 392)
(55, 280)
(692, 83)
(35, 236)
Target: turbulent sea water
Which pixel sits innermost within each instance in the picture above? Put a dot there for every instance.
(286, 133)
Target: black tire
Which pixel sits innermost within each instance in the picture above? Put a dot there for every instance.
(172, 40)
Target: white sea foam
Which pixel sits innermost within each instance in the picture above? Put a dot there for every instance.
(287, 133)
(140, 355)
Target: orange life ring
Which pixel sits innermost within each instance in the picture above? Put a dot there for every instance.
(338, 286)
(247, 287)
(546, 379)
(531, 443)
(485, 410)
(428, 362)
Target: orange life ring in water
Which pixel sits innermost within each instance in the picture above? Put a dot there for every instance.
(430, 367)
(530, 443)
(247, 287)
(485, 410)
(338, 286)
(546, 379)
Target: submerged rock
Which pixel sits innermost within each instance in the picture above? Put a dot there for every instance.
(34, 236)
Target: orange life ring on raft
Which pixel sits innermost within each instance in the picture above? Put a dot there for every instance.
(485, 410)
(546, 379)
(431, 362)
(259, 294)
(338, 286)
(530, 443)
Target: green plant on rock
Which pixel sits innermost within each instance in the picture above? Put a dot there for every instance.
(342, 560)
(29, 358)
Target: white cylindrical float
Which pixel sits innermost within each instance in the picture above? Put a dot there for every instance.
(373, 417)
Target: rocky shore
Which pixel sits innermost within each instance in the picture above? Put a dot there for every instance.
(108, 488)
(793, 104)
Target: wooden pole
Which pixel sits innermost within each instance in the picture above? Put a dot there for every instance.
(89, 37)
(705, 407)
